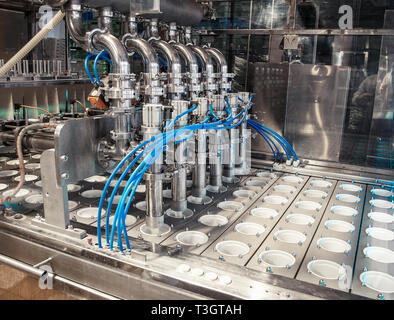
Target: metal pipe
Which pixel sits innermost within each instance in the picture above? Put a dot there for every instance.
(207, 66)
(75, 26)
(16, 264)
(105, 19)
(221, 63)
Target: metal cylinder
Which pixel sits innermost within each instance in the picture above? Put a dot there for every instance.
(154, 201)
(199, 173)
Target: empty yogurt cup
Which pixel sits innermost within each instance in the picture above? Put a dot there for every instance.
(339, 226)
(244, 194)
(334, 245)
(91, 194)
(192, 238)
(129, 220)
(380, 234)
(73, 188)
(318, 194)
(20, 194)
(230, 206)
(300, 219)
(292, 179)
(213, 220)
(378, 281)
(290, 236)
(276, 200)
(264, 213)
(382, 204)
(28, 178)
(381, 217)
(88, 213)
(284, 188)
(232, 248)
(321, 184)
(256, 183)
(277, 259)
(379, 254)
(351, 187)
(96, 179)
(325, 269)
(344, 197)
(308, 205)
(344, 211)
(382, 193)
(249, 229)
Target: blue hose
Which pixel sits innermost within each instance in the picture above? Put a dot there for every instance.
(101, 55)
(180, 116)
(88, 57)
(269, 141)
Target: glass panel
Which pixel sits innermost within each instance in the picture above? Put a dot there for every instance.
(228, 15)
(270, 14)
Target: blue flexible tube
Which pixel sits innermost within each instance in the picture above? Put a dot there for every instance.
(88, 57)
(101, 55)
(181, 115)
(212, 113)
(261, 132)
(268, 142)
(276, 137)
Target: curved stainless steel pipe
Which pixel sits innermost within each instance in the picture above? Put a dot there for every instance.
(205, 59)
(189, 57)
(219, 59)
(119, 56)
(146, 51)
(173, 58)
(75, 26)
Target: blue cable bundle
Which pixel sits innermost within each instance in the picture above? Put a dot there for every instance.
(103, 55)
(266, 132)
(157, 145)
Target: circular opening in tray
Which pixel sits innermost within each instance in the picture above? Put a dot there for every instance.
(243, 194)
(277, 258)
(33, 166)
(72, 205)
(8, 173)
(315, 194)
(87, 213)
(265, 213)
(380, 234)
(347, 198)
(91, 194)
(28, 178)
(265, 174)
(339, 226)
(38, 184)
(167, 194)
(255, 183)
(213, 220)
(141, 205)
(350, 187)
(382, 193)
(321, 183)
(378, 281)
(4, 159)
(383, 204)
(334, 245)
(129, 221)
(96, 179)
(3, 186)
(141, 188)
(290, 236)
(114, 183)
(232, 248)
(73, 188)
(308, 205)
(381, 217)
(20, 194)
(192, 238)
(284, 188)
(344, 211)
(15, 162)
(292, 179)
(326, 269)
(300, 219)
(275, 200)
(36, 156)
(379, 254)
(230, 206)
(35, 199)
(249, 228)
